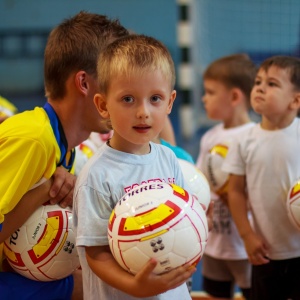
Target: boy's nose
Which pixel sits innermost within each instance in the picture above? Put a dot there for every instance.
(143, 111)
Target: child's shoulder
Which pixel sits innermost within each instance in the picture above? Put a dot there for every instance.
(213, 131)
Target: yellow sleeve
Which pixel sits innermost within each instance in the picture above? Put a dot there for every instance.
(23, 162)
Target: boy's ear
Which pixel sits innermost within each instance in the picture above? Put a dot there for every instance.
(100, 103)
(171, 101)
(295, 104)
(81, 82)
(236, 96)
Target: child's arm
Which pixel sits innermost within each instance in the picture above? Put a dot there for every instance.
(237, 199)
(143, 284)
(25, 207)
(167, 133)
(61, 184)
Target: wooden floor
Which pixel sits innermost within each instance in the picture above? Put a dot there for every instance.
(204, 296)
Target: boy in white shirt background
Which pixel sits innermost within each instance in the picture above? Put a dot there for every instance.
(266, 160)
(227, 85)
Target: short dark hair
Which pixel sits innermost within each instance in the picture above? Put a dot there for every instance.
(234, 71)
(289, 63)
(75, 45)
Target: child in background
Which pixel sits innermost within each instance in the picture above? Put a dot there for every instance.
(227, 85)
(168, 134)
(265, 159)
(136, 81)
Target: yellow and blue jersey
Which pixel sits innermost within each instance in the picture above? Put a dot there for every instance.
(28, 152)
(32, 145)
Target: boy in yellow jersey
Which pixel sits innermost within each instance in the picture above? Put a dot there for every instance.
(33, 144)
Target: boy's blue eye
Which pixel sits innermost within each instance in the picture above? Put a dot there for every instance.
(128, 99)
(155, 98)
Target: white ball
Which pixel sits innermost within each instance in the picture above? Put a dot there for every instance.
(43, 249)
(197, 182)
(293, 204)
(212, 169)
(157, 220)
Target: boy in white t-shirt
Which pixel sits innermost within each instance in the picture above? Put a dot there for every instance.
(266, 160)
(136, 82)
(227, 84)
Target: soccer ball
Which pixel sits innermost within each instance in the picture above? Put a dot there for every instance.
(43, 248)
(218, 179)
(293, 204)
(197, 182)
(157, 220)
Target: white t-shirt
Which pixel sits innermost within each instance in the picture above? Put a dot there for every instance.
(87, 148)
(102, 182)
(271, 162)
(224, 241)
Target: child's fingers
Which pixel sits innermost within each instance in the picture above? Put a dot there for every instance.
(147, 269)
(179, 275)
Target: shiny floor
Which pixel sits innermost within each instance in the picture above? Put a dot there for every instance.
(204, 296)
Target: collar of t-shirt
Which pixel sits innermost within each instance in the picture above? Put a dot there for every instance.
(66, 159)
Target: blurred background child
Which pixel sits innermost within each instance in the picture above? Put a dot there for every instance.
(227, 85)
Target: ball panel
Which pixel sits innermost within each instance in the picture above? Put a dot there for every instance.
(180, 249)
(169, 262)
(44, 247)
(135, 264)
(53, 233)
(149, 220)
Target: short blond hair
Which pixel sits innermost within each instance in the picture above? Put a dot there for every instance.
(134, 54)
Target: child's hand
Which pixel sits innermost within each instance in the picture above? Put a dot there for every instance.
(153, 284)
(61, 191)
(256, 249)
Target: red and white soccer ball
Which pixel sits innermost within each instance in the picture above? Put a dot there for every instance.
(161, 221)
(197, 182)
(293, 204)
(43, 248)
(212, 169)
